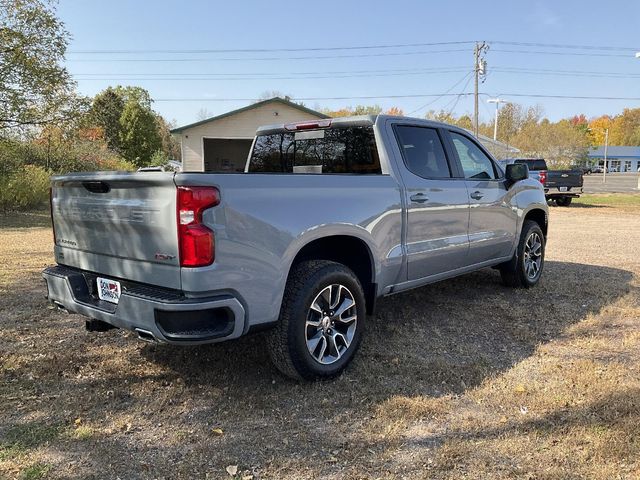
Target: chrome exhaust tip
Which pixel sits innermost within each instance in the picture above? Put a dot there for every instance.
(146, 335)
(60, 307)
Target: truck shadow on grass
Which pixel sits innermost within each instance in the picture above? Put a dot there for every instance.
(440, 339)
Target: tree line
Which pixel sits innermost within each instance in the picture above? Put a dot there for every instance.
(47, 127)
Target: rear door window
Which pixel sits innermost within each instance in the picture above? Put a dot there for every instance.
(331, 151)
(423, 152)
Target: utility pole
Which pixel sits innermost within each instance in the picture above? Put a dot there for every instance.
(480, 70)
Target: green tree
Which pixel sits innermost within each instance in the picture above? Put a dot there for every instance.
(106, 110)
(170, 144)
(139, 137)
(35, 89)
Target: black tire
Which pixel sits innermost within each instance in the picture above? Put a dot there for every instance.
(287, 342)
(514, 273)
(563, 201)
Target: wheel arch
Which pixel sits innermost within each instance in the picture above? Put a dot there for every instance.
(539, 216)
(350, 250)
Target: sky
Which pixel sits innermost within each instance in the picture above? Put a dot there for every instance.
(217, 56)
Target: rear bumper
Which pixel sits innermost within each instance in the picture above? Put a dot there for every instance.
(156, 314)
(555, 192)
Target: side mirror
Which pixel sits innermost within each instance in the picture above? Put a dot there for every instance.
(516, 172)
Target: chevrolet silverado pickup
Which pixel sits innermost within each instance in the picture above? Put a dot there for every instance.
(560, 186)
(328, 216)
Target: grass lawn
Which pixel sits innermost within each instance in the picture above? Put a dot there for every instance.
(460, 379)
(622, 200)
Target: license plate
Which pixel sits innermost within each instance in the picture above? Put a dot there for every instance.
(563, 189)
(108, 290)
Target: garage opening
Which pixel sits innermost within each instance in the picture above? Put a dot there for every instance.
(225, 155)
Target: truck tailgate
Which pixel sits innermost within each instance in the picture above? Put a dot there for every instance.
(121, 225)
(563, 178)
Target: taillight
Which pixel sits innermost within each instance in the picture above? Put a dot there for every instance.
(543, 176)
(53, 227)
(196, 240)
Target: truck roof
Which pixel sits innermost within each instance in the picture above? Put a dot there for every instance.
(353, 121)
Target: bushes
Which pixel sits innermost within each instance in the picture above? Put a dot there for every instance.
(26, 188)
(26, 166)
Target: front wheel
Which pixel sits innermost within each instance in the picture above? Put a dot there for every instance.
(525, 268)
(321, 321)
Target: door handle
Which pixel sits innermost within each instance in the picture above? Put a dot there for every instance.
(477, 195)
(419, 198)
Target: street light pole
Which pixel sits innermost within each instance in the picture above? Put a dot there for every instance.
(497, 101)
(606, 147)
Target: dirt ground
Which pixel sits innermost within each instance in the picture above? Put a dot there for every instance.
(461, 379)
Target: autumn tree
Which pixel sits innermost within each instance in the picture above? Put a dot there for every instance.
(351, 111)
(395, 111)
(170, 146)
(597, 127)
(35, 88)
(560, 143)
(626, 128)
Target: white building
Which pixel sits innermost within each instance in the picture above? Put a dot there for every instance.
(619, 159)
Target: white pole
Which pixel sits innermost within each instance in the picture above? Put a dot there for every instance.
(606, 147)
(495, 124)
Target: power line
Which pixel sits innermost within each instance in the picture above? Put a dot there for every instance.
(238, 59)
(579, 54)
(323, 72)
(199, 77)
(573, 97)
(423, 95)
(173, 79)
(338, 73)
(468, 74)
(349, 47)
(268, 50)
(460, 95)
(571, 73)
(366, 97)
(564, 46)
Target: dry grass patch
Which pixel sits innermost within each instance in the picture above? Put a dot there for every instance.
(461, 379)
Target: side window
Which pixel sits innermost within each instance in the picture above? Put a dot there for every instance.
(475, 163)
(423, 151)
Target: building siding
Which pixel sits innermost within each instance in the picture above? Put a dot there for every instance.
(240, 125)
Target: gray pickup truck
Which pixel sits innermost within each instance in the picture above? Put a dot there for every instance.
(328, 216)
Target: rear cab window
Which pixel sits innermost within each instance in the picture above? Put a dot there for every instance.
(335, 150)
(533, 164)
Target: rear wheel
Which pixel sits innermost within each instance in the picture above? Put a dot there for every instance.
(321, 321)
(563, 201)
(525, 268)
